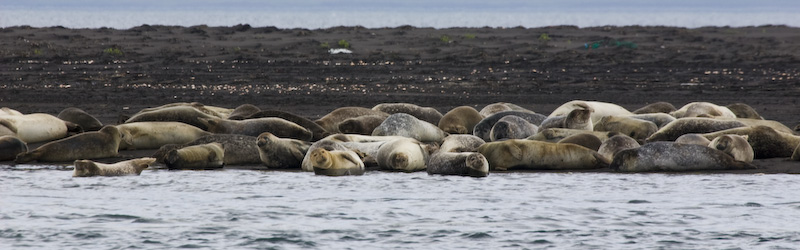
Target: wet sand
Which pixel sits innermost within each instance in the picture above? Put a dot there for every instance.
(111, 73)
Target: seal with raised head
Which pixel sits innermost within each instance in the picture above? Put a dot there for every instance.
(698, 139)
(703, 109)
(464, 164)
(88, 168)
(512, 127)
(635, 128)
(427, 114)
(407, 155)
(575, 119)
(38, 127)
(587, 140)
(694, 125)
(254, 127)
(656, 107)
(670, 156)
(318, 131)
(538, 155)
(86, 121)
(197, 157)
(609, 148)
(328, 145)
(153, 135)
(10, 147)
(330, 122)
(484, 127)
(766, 141)
(277, 152)
(406, 125)
(90, 145)
(742, 110)
(599, 109)
(734, 145)
(336, 162)
(460, 120)
(362, 125)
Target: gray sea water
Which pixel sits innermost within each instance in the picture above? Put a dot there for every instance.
(243, 209)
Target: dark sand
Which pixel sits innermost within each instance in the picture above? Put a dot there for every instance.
(110, 72)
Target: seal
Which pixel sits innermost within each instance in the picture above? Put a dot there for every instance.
(557, 134)
(407, 155)
(734, 145)
(336, 162)
(90, 145)
(218, 112)
(537, 155)
(10, 147)
(670, 156)
(766, 141)
(330, 122)
(86, 121)
(277, 152)
(703, 109)
(575, 119)
(599, 109)
(197, 157)
(315, 128)
(362, 125)
(9, 111)
(635, 128)
(512, 127)
(742, 110)
(609, 148)
(498, 107)
(589, 141)
(181, 113)
(38, 127)
(462, 164)
(254, 127)
(656, 107)
(88, 168)
(696, 125)
(243, 111)
(239, 149)
(777, 126)
(461, 143)
(484, 127)
(153, 135)
(406, 125)
(698, 139)
(427, 114)
(460, 120)
(660, 119)
(328, 145)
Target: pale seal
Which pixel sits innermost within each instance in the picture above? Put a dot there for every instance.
(698, 139)
(38, 127)
(498, 107)
(427, 114)
(460, 120)
(330, 122)
(587, 140)
(600, 109)
(660, 119)
(656, 107)
(86, 121)
(766, 141)
(243, 112)
(277, 152)
(318, 131)
(635, 128)
(363, 125)
(9, 111)
(406, 125)
(254, 127)
(670, 156)
(153, 135)
(88, 168)
(197, 157)
(90, 145)
(703, 109)
(734, 145)
(609, 148)
(483, 129)
(512, 127)
(537, 155)
(180, 113)
(10, 147)
(407, 155)
(336, 162)
(696, 125)
(557, 134)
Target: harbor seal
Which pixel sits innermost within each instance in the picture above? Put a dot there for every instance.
(238, 149)
(254, 127)
(694, 125)
(742, 110)
(362, 125)
(609, 148)
(336, 162)
(88, 168)
(463, 164)
(587, 140)
(698, 139)
(537, 155)
(218, 112)
(243, 111)
(460, 120)
(86, 121)
(498, 107)
(461, 143)
(670, 156)
(180, 113)
(318, 131)
(197, 157)
(734, 145)
(153, 135)
(330, 122)
(557, 134)
(575, 119)
(484, 127)
(37, 127)
(512, 127)
(277, 152)
(9, 111)
(328, 145)
(703, 109)
(635, 128)
(599, 109)
(103, 143)
(10, 147)
(766, 141)
(401, 124)
(427, 114)
(407, 155)
(660, 119)
(656, 107)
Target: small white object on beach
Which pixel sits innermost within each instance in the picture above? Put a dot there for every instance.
(340, 51)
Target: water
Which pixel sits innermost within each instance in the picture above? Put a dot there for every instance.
(314, 14)
(48, 209)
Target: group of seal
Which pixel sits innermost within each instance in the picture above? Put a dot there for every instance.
(468, 141)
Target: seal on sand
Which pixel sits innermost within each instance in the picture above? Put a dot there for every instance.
(696, 125)
(609, 148)
(86, 121)
(87, 168)
(587, 140)
(703, 109)
(336, 162)
(766, 141)
(670, 156)
(153, 135)
(512, 127)
(406, 155)
(460, 120)
(734, 145)
(330, 122)
(277, 152)
(362, 125)
(530, 154)
(254, 127)
(90, 145)
(575, 119)
(483, 129)
(656, 107)
(203, 156)
(635, 128)
(406, 125)
(10, 147)
(427, 114)
(698, 139)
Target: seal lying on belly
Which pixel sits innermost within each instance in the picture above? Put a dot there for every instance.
(89, 145)
(87, 168)
(530, 154)
(670, 156)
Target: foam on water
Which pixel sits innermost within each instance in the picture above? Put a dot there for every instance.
(255, 209)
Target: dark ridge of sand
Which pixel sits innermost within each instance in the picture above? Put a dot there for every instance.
(110, 72)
